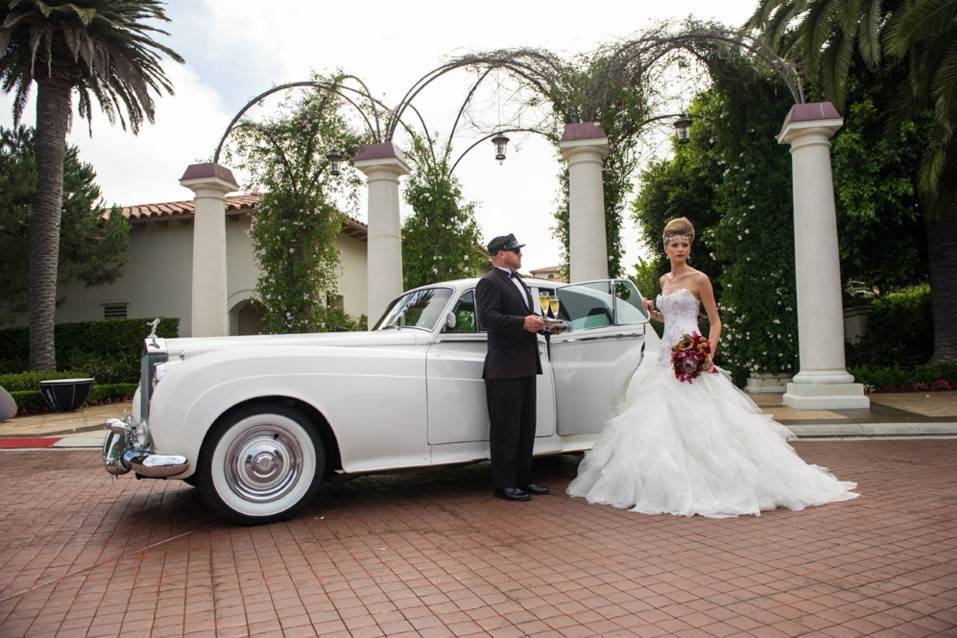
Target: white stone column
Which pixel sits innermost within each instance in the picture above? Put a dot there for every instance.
(210, 183)
(823, 382)
(584, 146)
(383, 165)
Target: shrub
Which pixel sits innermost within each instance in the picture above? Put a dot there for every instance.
(900, 330)
(30, 381)
(108, 350)
(898, 379)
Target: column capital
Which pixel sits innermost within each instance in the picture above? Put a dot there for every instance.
(379, 157)
(208, 175)
(583, 136)
(814, 117)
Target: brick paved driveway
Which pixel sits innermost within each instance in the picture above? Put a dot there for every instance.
(431, 554)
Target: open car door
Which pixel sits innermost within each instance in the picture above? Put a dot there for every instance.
(594, 360)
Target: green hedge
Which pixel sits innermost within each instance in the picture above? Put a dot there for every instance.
(30, 381)
(107, 350)
(30, 401)
(900, 330)
(897, 379)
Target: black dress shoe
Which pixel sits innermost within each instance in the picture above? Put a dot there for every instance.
(535, 490)
(512, 494)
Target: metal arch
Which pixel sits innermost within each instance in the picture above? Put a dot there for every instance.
(332, 88)
(756, 46)
(490, 136)
(509, 62)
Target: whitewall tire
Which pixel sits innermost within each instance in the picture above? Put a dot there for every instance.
(260, 464)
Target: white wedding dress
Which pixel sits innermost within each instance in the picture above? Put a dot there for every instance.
(700, 448)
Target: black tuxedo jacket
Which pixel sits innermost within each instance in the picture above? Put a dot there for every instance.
(512, 350)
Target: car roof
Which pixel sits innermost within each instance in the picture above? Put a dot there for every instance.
(464, 284)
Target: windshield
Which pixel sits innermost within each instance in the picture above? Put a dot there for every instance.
(417, 309)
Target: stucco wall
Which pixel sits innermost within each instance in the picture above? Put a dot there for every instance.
(156, 279)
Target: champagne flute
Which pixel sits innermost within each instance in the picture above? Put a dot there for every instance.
(555, 305)
(543, 302)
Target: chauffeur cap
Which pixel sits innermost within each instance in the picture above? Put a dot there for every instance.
(503, 242)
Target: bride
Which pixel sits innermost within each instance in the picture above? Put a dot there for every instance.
(700, 448)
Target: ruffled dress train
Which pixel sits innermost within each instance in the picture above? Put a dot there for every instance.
(701, 448)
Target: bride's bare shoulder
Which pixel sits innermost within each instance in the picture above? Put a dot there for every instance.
(699, 279)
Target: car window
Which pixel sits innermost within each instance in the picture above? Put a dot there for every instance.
(466, 319)
(416, 309)
(587, 306)
(630, 307)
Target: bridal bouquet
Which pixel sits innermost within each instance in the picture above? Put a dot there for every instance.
(689, 357)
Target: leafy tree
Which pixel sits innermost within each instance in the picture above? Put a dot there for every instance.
(683, 186)
(441, 239)
(102, 50)
(298, 218)
(92, 247)
(920, 34)
(875, 186)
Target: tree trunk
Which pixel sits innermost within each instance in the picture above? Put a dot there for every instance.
(942, 264)
(53, 117)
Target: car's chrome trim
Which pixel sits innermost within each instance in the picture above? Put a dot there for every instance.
(119, 457)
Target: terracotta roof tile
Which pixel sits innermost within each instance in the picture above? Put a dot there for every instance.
(234, 204)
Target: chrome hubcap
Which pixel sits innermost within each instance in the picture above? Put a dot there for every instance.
(264, 463)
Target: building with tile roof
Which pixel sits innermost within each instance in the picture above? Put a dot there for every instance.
(157, 278)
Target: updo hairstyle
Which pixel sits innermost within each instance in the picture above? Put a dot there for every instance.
(678, 227)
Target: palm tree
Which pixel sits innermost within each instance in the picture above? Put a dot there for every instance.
(102, 50)
(920, 34)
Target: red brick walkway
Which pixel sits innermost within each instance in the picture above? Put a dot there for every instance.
(432, 554)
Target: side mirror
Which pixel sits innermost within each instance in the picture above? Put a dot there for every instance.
(450, 321)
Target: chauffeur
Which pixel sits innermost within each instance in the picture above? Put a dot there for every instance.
(511, 365)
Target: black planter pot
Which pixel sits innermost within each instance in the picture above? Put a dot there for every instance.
(65, 395)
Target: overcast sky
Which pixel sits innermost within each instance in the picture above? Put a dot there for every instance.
(235, 49)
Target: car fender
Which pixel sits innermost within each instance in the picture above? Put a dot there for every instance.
(373, 399)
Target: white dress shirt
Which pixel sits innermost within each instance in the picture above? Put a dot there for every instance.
(517, 283)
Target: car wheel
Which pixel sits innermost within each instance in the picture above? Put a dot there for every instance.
(260, 464)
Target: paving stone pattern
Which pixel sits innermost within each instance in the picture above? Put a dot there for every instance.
(430, 553)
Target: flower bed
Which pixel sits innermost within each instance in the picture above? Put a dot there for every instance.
(929, 378)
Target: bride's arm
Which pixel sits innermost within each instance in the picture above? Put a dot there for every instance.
(711, 307)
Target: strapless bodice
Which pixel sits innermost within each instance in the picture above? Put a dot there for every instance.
(680, 310)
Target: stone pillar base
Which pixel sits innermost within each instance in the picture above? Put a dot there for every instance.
(764, 383)
(836, 396)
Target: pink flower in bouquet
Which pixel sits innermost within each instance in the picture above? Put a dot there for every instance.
(690, 357)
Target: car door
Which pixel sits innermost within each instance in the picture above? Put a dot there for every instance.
(593, 360)
(457, 409)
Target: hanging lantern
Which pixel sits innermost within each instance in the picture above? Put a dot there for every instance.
(683, 126)
(500, 142)
(335, 162)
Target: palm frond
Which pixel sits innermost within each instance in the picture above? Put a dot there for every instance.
(869, 33)
(819, 27)
(944, 89)
(921, 21)
(105, 48)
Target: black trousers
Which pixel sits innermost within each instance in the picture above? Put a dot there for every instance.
(511, 411)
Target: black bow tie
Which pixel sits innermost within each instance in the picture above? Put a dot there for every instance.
(512, 275)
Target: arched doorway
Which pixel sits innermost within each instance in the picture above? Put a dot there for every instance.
(246, 318)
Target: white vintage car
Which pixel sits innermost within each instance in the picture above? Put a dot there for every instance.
(255, 423)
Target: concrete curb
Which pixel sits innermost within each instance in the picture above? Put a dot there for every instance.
(805, 430)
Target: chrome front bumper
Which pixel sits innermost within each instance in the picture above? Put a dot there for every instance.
(120, 457)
